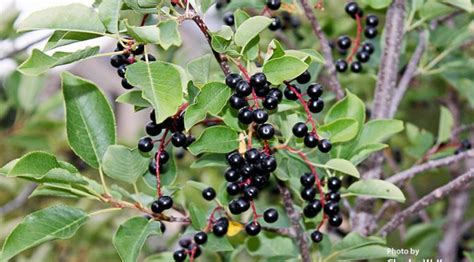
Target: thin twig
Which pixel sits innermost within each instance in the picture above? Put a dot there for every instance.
(23, 48)
(409, 74)
(389, 62)
(427, 200)
(325, 48)
(19, 200)
(397, 179)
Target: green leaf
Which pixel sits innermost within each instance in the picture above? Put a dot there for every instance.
(366, 252)
(376, 188)
(199, 69)
(463, 4)
(57, 222)
(144, 34)
(274, 247)
(340, 130)
(169, 34)
(210, 100)
(40, 62)
(198, 217)
(210, 160)
(342, 166)
(250, 28)
(131, 236)
(363, 152)
(283, 68)
(164, 90)
(34, 165)
(218, 244)
(73, 17)
(23, 90)
(433, 9)
(446, 124)
(124, 164)
(377, 4)
(90, 122)
(379, 130)
(62, 38)
(133, 97)
(240, 16)
(355, 240)
(217, 139)
(109, 14)
(349, 107)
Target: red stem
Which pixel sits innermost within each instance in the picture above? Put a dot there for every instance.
(357, 40)
(306, 108)
(254, 211)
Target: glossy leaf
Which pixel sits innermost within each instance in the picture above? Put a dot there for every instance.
(218, 139)
(169, 34)
(131, 236)
(349, 107)
(377, 189)
(34, 165)
(250, 28)
(283, 68)
(57, 222)
(61, 38)
(109, 14)
(364, 152)
(133, 97)
(89, 133)
(124, 164)
(340, 130)
(275, 247)
(343, 166)
(199, 69)
(144, 34)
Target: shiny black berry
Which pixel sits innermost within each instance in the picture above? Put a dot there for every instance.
(269, 163)
(250, 192)
(164, 157)
(237, 102)
(368, 47)
(316, 105)
(229, 19)
(300, 129)
(370, 32)
(180, 255)
(126, 84)
(275, 92)
(270, 215)
(118, 60)
(145, 144)
(356, 67)
(165, 202)
(273, 4)
(335, 220)
(289, 94)
(307, 180)
(233, 189)
(262, 91)
(363, 56)
(231, 175)
(152, 129)
(352, 9)
(270, 102)
(313, 208)
(185, 242)
(234, 207)
(200, 238)
(333, 196)
(331, 208)
(344, 42)
(156, 208)
(371, 20)
(334, 183)
(266, 131)
(324, 146)
(245, 116)
(178, 139)
(243, 88)
(121, 70)
(304, 78)
(138, 50)
(308, 193)
(150, 57)
(253, 228)
(316, 236)
(258, 80)
(260, 116)
(310, 140)
(243, 204)
(275, 24)
(220, 229)
(235, 160)
(341, 65)
(315, 90)
(231, 80)
(209, 193)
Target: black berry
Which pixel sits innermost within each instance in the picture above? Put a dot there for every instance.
(308, 193)
(341, 65)
(266, 131)
(231, 80)
(316, 236)
(165, 202)
(275, 92)
(253, 228)
(324, 146)
(145, 144)
(126, 84)
(164, 157)
(344, 42)
(209, 193)
(220, 229)
(243, 88)
(300, 129)
(138, 50)
(229, 19)
(121, 70)
(313, 208)
(334, 183)
(237, 102)
(289, 94)
(275, 24)
(252, 155)
(274, 4)
(150, 57)
(178, 139)
(118, 60)
(152, 129)
(233, 189)
(179, 255)
(270, 102)
(269, 163)
(363, 56)
(304, 78)
(356, 67)
(368, 47)
(270, 215)
(245, 116)
(371, 20)
(331, 208)
(315, 90)
(235, 160)
(200, 238)
(231, 175)
(260, 116)
(250, 192)
(316, 105)
(258, 80)
(310, 140)
(370, 32)
(307, 180)
(335, 220)
(352, 9)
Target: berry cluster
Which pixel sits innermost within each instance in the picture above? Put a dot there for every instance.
(464, 146)
(129, 51)
(259, 88)
(362, 53)
(313, 105)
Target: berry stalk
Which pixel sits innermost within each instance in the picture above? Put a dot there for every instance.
(357, 40)
(306, 108)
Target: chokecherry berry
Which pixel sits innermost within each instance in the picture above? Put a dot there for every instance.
(316, 236)
(269, 163)
(185, 242)
(335, 220)
(252, 155)
(333, 196)
(341, 65)
(331, 208)
(231, 175)
(307, 180)
(178, 139)
(156, 208)
(246, 116)
(310, 140)
(233, 189)
(324, 146)
(229, 19)
(266, 131)
(308, 193)
(248, 170)
(275, 24)
(152, 129)
(126, 84)
(153, 115)
(363, 56)
(273, 4)
(121, 70)
(372, 20)
(237, 102)
(304, 78)
(258, 80)
(260, 116)
(234, 207)
(145, 144)
(275, 92)
(243, 88)
(368, 47)
(180, 255)
(200, 238)
(138, 50)
(270, 215)
(300, 129)
(152, 167)
(235, 160)
(356, 67)
(289, 94)
(253, 228)
(315, 90)
(220, 229)
(270, 102)
(150, 57)
(334, 183)
(250, 192)
(316, 105)
(344, 42)
(118, 60)
(352, 9)
(313, 208)
(231, 80)
(243, 204)
(209, 193)
(262, 91)
(164, 157)
(165, 202)
(370, 32)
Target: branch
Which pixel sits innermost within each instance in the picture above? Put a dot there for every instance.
(23, 48)
(325, 48)
(397, 179)
(389, 62)
(409, 74)
(19, 200)
(295, 222)
(427, 200)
